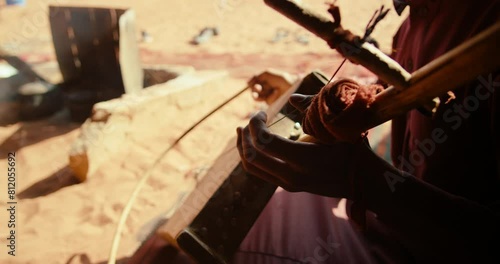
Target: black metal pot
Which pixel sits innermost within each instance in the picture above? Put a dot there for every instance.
(38, 100)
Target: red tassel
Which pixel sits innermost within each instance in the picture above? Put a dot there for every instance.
(339, 98)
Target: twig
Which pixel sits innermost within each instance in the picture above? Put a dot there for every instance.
(378, 15)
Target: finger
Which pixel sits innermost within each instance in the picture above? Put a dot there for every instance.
(301, 102)
(257, 88)
(257, 92)
(253, 81)
(263, 89)
(255, 156)
(281, 148)
(257, 172)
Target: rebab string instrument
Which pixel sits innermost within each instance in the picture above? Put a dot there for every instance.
(215, 218)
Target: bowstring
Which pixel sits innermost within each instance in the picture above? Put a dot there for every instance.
(296, 110)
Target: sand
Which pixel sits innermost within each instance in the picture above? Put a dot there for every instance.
(60, 221)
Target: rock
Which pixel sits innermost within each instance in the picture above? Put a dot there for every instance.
(146, 37)
(148, 120)
(205, 34)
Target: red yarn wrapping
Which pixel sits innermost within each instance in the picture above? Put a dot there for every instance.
(339, 98)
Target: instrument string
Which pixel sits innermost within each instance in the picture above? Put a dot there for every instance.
(377, 16)
(295, 110)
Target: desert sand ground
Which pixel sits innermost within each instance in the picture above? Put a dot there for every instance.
(58, 218)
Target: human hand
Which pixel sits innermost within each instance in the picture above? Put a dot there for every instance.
(270, 85)
(299, 166)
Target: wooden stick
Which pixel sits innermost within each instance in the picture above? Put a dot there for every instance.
(348, 44)
(480, 55)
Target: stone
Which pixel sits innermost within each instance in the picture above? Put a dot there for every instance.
(142, 120)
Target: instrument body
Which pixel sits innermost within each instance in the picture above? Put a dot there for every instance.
(215, 218)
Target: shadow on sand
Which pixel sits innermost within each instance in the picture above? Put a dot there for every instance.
(30, 133)
(58, 180)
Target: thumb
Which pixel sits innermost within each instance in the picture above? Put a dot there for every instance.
(300, 101)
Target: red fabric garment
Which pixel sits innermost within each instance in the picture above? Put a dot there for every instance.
(303, 228)
(454, 150)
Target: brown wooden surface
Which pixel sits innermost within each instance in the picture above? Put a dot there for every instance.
(225, 219)
(463, 64)
(219, 172)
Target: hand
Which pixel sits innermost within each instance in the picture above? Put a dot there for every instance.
(270, 85)
(299, 166)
